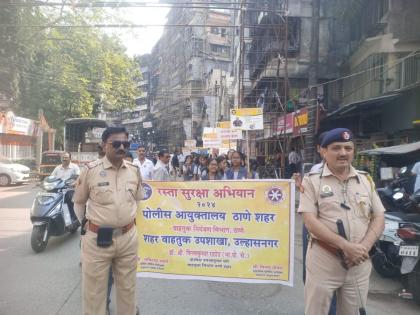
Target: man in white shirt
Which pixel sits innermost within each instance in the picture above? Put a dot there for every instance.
(65, 171)
(161, 170)
(145, 165)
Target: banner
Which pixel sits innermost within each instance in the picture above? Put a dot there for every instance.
(211, 139)
(15, 125)
(223, 124)
(300, 124)
(296, 123)
(247, 118)
(231, 231)
(190, 143)
(280, 124)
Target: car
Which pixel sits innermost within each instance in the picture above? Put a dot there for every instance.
(12, 172)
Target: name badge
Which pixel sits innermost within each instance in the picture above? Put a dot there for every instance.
(103, 184)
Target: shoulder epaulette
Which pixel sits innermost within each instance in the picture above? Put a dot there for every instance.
(94, 164)
(369, 178)
(314, 173)
(131, 164)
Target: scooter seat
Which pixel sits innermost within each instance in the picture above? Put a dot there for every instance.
(403, 217)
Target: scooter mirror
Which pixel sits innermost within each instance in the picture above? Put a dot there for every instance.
(403, 170)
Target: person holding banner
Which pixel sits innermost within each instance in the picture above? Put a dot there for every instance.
(211, 172)
(200, 167)
(222, 166)
(237, 171)
(145, 165)
(335, 201)
(188, 169)
(161, 170)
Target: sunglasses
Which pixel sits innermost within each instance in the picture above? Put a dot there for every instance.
(117, 144)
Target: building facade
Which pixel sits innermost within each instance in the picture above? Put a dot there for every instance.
(276, 44)
(190, 67)
(379, 94)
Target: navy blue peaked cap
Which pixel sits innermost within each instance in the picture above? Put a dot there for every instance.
(336, 135)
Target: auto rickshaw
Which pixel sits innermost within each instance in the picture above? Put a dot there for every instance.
(49, 161)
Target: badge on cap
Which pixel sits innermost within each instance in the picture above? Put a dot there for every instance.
(346, 135)
(326, 191)
(102, 174)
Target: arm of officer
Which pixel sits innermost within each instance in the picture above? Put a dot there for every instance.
(139, 192)
(377, 223)
(81, 195)
(309, 209)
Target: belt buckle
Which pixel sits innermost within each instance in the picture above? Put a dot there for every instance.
(117, 232)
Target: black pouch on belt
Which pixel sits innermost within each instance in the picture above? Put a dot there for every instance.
(104, 236)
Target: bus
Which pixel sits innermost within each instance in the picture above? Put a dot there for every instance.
(82, 137)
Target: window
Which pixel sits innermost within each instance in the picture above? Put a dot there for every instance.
(219, 49)
(223, 32)
(214, 30)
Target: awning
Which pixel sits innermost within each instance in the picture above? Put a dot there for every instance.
(345, 109)
(395, 150)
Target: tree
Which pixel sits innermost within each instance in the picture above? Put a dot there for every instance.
(67, 71)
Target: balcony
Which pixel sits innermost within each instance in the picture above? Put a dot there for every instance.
(384, 76)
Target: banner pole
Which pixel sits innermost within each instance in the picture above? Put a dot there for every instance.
(247, 151)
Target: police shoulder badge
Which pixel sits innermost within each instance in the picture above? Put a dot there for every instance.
(326, 191)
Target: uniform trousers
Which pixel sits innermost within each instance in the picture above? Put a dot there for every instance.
(96, 262)
(325, 274)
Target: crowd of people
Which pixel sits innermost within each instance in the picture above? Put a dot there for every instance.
(194, 167)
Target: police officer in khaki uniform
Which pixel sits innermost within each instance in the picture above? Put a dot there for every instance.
(107, 195)
(333, 263)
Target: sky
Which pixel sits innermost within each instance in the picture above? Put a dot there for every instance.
(140, 41)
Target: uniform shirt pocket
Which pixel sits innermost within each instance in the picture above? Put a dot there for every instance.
(363, 206)
(102, 195)
(329, 208)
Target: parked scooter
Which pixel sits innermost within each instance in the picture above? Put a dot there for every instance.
(409, 232)
(386, 260)
(397, 192)
(50, 213)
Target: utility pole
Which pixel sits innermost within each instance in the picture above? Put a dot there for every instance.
(241, 56)
(286, 84)
(312, 82)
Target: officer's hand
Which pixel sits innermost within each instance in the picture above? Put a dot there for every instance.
(355, 254)
(298, 182)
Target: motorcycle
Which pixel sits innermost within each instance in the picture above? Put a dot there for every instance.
(396, 192)
(409, 232)
(50, 214)
(386, 260)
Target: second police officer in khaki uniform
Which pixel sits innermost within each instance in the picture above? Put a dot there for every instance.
(107, 195)
(339, 192)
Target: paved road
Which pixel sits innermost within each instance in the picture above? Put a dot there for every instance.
(49, 283)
